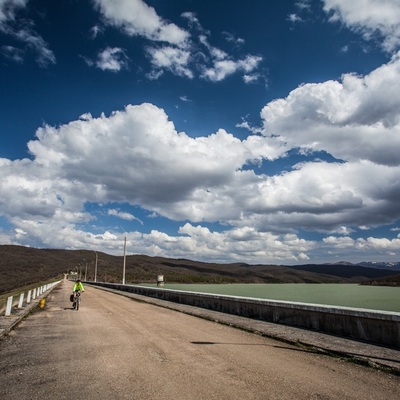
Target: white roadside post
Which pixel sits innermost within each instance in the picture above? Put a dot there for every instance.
(29, 296)
(34, 294)
(9, 306)
(21, 300)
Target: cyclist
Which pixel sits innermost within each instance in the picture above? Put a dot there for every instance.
(78, 288)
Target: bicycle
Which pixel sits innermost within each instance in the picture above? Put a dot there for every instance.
(77, 301)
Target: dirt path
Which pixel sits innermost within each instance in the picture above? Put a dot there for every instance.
(116, 348)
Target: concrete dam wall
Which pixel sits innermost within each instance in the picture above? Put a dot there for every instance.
(379, 327)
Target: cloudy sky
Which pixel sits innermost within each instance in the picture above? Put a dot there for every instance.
(253, 131)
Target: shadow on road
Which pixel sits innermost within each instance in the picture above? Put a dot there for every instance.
(257, 344)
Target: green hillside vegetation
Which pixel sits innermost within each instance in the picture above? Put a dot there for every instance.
(393, 280)
(24, 266)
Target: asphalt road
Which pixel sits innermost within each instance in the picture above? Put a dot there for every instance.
(118, 348)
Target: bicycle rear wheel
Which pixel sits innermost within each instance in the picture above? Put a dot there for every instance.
(78, 301)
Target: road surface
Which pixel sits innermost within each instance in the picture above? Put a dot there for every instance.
(118, 348)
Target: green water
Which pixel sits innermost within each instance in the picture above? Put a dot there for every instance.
(345, 295)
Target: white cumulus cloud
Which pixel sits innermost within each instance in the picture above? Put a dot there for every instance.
(135, 17)
(370, 18)
(112, 59)
(357, 118)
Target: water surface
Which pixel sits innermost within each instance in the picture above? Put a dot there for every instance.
(345, 295)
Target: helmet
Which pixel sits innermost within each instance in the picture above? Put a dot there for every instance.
(78, 280)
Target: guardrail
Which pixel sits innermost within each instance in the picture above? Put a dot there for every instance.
(378, 327)
(24, 299)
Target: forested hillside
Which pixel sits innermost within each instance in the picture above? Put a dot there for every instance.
(21, 266)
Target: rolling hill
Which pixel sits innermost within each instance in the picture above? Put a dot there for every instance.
(21, 266)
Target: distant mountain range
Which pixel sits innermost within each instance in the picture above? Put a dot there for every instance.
(395, 266)
(22, 266)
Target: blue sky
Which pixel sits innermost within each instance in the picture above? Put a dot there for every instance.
(257, 131)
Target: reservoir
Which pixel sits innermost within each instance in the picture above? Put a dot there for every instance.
(345, 295)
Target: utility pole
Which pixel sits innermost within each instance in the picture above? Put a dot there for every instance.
(95, 268)
(123, 271)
